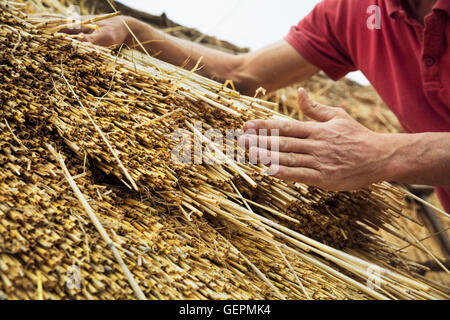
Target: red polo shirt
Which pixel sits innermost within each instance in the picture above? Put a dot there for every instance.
(407, 63)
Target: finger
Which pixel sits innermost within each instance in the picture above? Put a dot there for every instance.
(102, 38)
(295, 160)
(307, 176)
(286, 128)
(317, 111)
(291, 159)
(76, 29)
(282, 144)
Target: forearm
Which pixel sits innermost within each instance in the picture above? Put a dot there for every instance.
(215, 64)
(418, 158)
(272, 67)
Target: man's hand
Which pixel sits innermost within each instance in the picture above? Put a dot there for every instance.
(335, 153)
(110, 33)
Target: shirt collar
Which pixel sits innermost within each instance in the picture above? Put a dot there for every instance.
(442, 5)
(394, 6)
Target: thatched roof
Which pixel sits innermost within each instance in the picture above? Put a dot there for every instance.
(109, 215)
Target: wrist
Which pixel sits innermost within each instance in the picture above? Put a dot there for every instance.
(401, 156)
(131, 27)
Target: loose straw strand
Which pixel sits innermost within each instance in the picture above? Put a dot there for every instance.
(426, 203)
(426, 250)
(293, 272)
(257, 271)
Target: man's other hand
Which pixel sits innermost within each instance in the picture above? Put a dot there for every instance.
(334, 153)
(111, 32)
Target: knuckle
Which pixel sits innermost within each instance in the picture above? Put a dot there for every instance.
(326, 171)
(283, 144)
(332, 148)
(332, 171)
(292, 159)
(323, 134)
(321, 149)
(289, 126)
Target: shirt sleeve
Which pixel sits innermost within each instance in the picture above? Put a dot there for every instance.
(321, 38)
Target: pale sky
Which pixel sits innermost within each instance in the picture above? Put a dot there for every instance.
(245, 23)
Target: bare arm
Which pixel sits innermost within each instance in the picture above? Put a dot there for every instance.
(273, 67)
(422, 158)
(338, 153)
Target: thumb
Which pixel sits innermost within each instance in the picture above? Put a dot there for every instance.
(316, 111)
